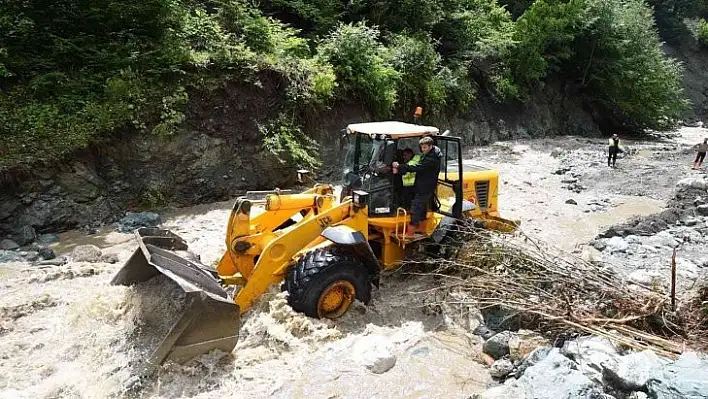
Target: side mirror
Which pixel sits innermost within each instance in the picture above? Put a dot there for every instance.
(390, 152)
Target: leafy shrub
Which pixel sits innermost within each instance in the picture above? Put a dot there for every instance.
(362, 65)
(288, 143)
(703, 32)
(545, 36)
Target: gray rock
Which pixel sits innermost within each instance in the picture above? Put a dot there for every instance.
(617, 244)
(533, 358)
(600, 245)
(691, 222)
(702, 210)
(30, 256)
(662, 239)
(686, 378)
(86, 253)
(8, 245)
(501, 368)
(557, 152)
(692, 182)
(569, 180)
(48, 238)
(110, 258)
(9, 256)
(46, 253)
(375, 353)
(498, 346)
(132, 221)
(571, 202)
(592, 354)
(60, 261)
(25, 236)
(647, 278)
(554, 377)
(631, 372)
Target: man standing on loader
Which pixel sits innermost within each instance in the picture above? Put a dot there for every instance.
(426, 180)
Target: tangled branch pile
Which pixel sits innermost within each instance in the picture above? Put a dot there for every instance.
(559, 293)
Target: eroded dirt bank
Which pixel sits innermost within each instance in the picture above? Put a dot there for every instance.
(65, 332)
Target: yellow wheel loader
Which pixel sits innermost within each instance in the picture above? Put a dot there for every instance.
(325, 250)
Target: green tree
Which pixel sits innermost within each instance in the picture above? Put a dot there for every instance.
(362, 65)
(620, 65)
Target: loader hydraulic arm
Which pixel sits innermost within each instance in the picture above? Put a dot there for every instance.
(279, 252)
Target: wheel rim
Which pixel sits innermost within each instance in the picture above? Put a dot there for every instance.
(336, 299)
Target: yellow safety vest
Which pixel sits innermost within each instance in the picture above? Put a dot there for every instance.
(409, 178)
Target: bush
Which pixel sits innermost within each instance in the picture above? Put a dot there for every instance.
(545, 36)
(703, 32)
(362, 65)
(289, 144)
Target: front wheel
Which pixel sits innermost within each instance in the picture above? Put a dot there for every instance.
(325, 282)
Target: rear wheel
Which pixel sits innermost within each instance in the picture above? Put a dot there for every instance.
(325, 282)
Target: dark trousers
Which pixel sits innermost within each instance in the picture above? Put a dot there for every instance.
(612, 156)
(420, 207)
(407, 194)
(700, 157)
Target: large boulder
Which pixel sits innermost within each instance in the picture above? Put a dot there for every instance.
(25, 236)
(662, 239)
(692, 182)
(554, 377)
(686, 378)
(86, 253)
(592, 354)
(10, 256)
(501, 368)
(8, 245)
(617, 244)
(533, 358)
(46, 253)
(631, 373)
(132, 221)
(498, 345)
(702, 210)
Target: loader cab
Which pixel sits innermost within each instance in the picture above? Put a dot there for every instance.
(371, 148)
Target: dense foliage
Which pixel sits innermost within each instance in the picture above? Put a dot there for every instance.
(74, 71)
(703, 32)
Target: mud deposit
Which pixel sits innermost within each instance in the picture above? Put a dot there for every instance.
(66, 333)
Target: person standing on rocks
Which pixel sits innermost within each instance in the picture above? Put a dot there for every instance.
(701, 155)
(613, 150)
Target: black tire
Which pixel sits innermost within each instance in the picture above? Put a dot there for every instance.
(308, 278)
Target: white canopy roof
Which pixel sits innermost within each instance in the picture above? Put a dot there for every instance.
(393, 128)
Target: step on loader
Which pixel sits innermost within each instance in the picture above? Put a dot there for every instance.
(325, 250)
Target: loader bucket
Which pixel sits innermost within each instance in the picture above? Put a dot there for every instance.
(205, 318)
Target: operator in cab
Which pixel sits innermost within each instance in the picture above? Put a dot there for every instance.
(410, 158)
(426, 181)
